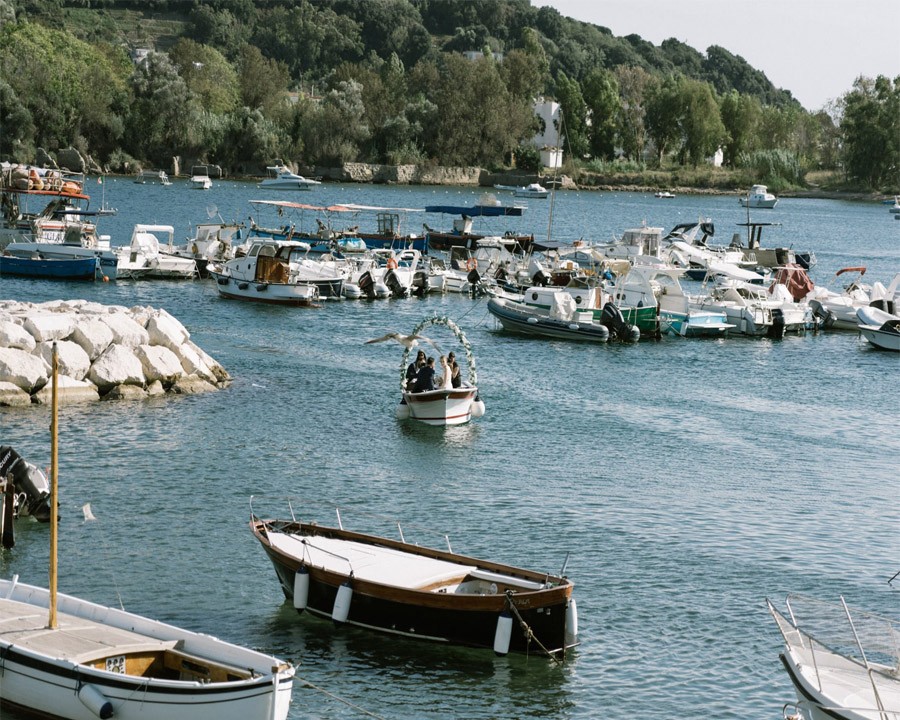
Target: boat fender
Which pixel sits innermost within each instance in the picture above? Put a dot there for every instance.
(503, 633)
(477, 409)
(571, 622)
(95, 701)
(301, 588)
(341, 608)
(402, 411)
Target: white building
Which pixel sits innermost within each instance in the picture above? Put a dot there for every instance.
(548, 140)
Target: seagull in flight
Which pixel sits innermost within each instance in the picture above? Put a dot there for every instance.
(407, 341)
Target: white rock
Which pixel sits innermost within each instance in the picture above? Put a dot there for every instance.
(13, 396)
(69, 390)
(159, 363)
(155, 388)
(125, 330)
(73, 360)
(192, 386)
(117, 366)
(24, 370)
(13, 335)
(193, 363)
(166, 330)
(220, 373)
(125, 392)
(93, 335)
(50, 326)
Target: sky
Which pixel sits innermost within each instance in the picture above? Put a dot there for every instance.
(814, 48)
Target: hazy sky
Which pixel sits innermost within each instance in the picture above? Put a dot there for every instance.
(814, 48)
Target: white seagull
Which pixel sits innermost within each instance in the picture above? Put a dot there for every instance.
(407, 341)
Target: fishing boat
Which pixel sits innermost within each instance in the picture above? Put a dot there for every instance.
(37, 266)
(70, 659)
(280, 177)
(401, 588)
(441, 406)
(842, 663)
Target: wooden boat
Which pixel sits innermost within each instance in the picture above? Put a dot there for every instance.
(842, 663)
(62, 657)
(407, 589)
(75, 268)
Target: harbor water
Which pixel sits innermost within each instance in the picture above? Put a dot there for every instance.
(687, 480)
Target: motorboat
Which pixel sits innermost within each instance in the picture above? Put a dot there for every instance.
(63, 657)
(280, 177)
(532, 190)
(200, 179)
(664, 194)
(895, 208)
(880, 328)
(412, 590)
(37, 266)
(146, 257)
(267, 274)
(758, 197)
(757, 310)
(839, 309)
(768, 257)
(518, 317)
(210, 242)
(26, 487)
(152, 177)
(842, 662)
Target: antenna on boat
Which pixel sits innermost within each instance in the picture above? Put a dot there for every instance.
(562, 570)
(54, 484)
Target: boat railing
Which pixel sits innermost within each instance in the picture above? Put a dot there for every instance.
(30, 179)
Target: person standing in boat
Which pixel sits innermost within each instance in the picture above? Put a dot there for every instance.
(413, 370)
(447, 374)
(425, 377)
(455, 376)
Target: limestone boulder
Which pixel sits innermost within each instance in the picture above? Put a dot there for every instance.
(218, 372)
(126, 331)
(73, 360)
(45, 327)
(194, 364)
(192, 385)
(93, 335)
(159, 363)
(125, 392)
(13, 396)
(69, 390)
(167, 331)
(24, 370)
(118, 365)
(13, 335)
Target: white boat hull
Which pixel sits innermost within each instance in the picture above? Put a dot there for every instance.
(441, 407)
(265, 292)
(51, 686)
(883, 339)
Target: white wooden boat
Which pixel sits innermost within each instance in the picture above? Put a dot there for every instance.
(281, 178)
(401, 588)
(200, 179)
(759, 197)
(70, 659)
(842, 662)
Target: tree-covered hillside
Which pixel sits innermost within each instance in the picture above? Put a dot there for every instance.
(321, 82)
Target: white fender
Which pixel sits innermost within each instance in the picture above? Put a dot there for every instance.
(571, 622)
(477, 408)
(95, 701)
(301, 588)
(503, 633)
(402, 411)
(341, 608)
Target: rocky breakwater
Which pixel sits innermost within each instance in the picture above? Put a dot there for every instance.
(105, 352)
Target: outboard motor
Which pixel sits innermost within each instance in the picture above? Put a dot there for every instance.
(822, 315)
(394, 284)
(420, 283)
(540, 279)
(777, 328)
(367, 285)
(614, 321)
(29, 481)
(474, 278)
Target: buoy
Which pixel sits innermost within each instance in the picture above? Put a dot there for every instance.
(106, 278)
(341, 608)
(95, 701)
(503, 634)
(301, 588)
(571, 622)
(477, 409)
(402, 411)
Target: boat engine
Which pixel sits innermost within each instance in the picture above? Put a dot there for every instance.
(32, 487)
(822, 315)
(420, 283)
(777, 328)
(393, 282)
(474, 278)
(367, 285)
(614, 321)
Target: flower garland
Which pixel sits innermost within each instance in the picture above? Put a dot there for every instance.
(460, 335)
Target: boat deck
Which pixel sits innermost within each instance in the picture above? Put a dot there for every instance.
(75, 639)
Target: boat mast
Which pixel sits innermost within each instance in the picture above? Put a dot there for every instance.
(54, 485)
(555, 176)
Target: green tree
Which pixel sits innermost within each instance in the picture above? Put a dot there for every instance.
(701, 125)
(207, 74)
(870, 129)
(601, 96)
(574, 133)
(662, 115)
(336, 130)
(633, 83)
(741, 117)
(263, 82)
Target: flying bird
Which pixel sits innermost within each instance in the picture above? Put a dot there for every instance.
(407, 341)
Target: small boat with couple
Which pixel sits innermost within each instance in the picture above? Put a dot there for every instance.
(445, 399)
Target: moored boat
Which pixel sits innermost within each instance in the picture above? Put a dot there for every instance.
(280, 177)
(407, 589)
(759, 197)
(37, 266)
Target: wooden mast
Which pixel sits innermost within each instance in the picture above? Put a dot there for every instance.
(54, 486)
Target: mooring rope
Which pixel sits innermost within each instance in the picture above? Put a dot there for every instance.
(529, 633)
(340, 699)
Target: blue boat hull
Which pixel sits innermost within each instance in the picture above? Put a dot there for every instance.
(54, 269)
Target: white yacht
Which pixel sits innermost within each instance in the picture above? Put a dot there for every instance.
(281, 178)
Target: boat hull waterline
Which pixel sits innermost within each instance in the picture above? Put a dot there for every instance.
(441, 407)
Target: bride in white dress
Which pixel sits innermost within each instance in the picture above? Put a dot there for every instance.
(446, 378)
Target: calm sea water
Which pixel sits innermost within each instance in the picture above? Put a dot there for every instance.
(689, 480)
